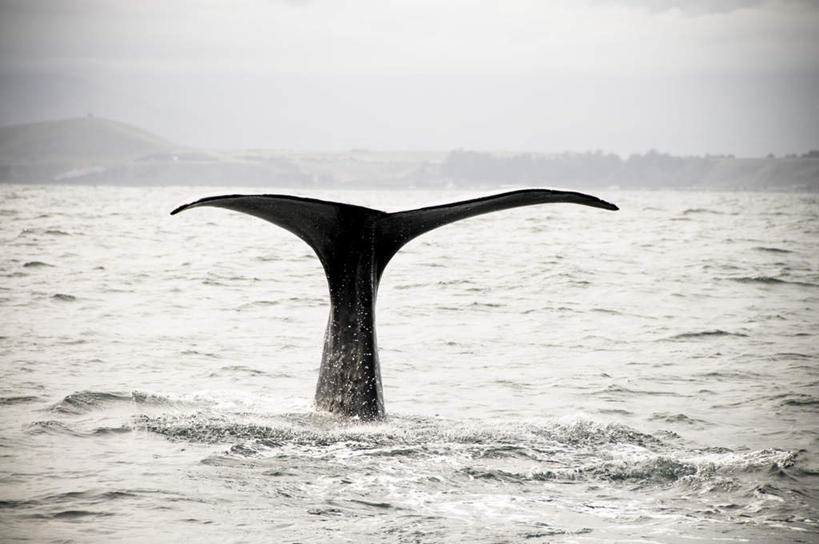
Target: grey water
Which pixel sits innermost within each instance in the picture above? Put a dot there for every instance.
(551, 374)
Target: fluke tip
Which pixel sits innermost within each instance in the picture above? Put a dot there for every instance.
(179, 209)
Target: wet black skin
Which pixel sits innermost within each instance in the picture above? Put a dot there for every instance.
(354, 245)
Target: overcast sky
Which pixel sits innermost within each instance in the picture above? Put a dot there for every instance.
(686, 77)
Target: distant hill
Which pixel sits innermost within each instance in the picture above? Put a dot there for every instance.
(91, 150)
(80, 139)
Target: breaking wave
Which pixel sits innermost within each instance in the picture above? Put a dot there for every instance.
(582, 450)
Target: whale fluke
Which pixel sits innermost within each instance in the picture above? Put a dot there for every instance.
(320, 223)
(354, 245)
(398, 228)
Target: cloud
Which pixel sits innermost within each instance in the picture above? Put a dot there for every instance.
(423, 73)
(689, 7)
(407, 37)
(706, 7)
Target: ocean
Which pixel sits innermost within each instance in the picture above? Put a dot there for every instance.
(554, 373)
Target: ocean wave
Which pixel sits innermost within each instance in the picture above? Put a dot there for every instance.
(112, 430)
(486, 305)
(414, 285)
(325, 429)
(606, 311)
(772, 249)
(258, 303)
(405, 438)
(758, 279)
(802, 400)
(238, 369)
(580, 450)
(62, 297)
(51, 427)
(771, 280)
(792, 355)
(620, 390)
(87, 401)
(70, 514)
(196, 352)
(704, 334)
(35, 231)
(18, 399)
(89, 497)
(740, 375)
(655, 470)
(691, 211)
(72, 504)
(675, 418)
(711, 473)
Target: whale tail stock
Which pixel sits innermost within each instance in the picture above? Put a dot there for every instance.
(354, 245)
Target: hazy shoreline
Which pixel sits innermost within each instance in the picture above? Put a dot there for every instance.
(94, 151)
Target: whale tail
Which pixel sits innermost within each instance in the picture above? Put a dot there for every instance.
(325, 225)
(354, 245)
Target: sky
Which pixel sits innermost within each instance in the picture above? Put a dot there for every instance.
(685, 77)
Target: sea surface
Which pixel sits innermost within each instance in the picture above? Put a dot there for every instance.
(555, 373)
